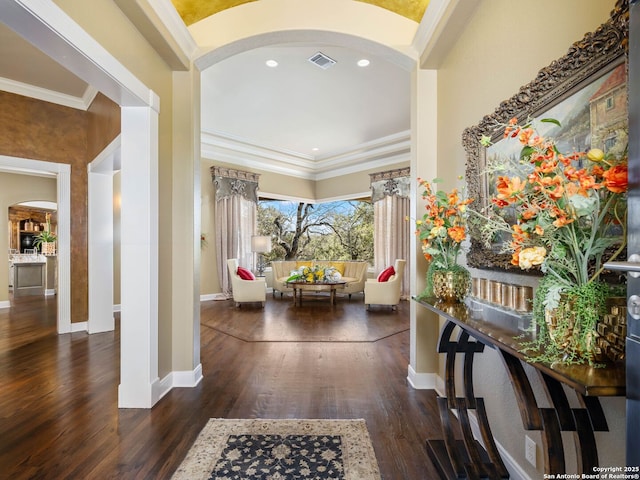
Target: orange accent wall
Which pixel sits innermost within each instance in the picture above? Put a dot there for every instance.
(45, 131)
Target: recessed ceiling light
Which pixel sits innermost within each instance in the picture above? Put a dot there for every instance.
(363, 63)
(271, 63)
(315, 149)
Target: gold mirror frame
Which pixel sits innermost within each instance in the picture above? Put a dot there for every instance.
(596, 54)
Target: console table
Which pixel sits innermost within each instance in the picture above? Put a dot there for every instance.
(467, 458)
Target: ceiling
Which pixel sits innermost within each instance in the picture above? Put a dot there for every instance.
(297, 118)
(192, 11)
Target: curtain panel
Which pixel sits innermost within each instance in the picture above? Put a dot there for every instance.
(236, 219)
(390, 193)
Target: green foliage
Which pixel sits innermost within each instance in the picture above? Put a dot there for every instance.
(336, 230)
(43, 237)
(577, 311)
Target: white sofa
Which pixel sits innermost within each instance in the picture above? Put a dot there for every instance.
(353, 272)
(385, 293)
(245, 291)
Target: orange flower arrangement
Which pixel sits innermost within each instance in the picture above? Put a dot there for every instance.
(570, 209)
(443, 227)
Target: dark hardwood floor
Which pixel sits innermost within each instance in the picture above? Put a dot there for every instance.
(58, 393)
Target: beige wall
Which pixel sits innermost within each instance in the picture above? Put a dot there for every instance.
(344, 186)
(106, 23)
(209, 282)
(501, 49)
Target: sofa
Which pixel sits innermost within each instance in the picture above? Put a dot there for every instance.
(352, 271)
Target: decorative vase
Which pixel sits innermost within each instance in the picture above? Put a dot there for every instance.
(605, 341)
(451, 285)
(48, 248)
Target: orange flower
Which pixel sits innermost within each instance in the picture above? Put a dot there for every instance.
(529, 213)
(616, 178)
(525, 136)
(565, 205)
(457, 234)
(509, 188)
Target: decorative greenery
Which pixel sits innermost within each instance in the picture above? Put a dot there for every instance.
(442, 230)
(565, 213)
(568, 220)
(45, 236)
(567, 334)
(317, 273)
(443, 226)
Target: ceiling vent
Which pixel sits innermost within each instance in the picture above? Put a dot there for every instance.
(322, 61)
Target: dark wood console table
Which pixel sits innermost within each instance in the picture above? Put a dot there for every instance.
(467, 458)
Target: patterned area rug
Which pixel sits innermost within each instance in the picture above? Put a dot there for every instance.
(231, 449)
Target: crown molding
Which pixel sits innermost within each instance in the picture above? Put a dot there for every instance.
(378, 153)
(289, 198)
(31, 91)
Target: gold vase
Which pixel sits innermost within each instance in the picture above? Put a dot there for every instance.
(451, 286)
(606, 342)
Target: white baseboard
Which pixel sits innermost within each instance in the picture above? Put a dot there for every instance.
(422, 381)
(181, 379)
(188, 379)
(213, 296)
(79, 327)
(5, 304)
(49, 292)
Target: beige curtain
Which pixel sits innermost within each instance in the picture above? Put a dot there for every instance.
(236, 219)
(390, 195)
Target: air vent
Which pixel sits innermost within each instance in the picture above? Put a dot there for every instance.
(321, 60)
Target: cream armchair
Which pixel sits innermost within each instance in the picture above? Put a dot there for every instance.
(385, 293)
(245, 291)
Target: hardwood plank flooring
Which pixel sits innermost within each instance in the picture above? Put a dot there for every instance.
(58, 393)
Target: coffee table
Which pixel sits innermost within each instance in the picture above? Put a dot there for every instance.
(300, 286)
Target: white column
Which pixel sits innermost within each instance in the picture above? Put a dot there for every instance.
(139, 270)
(100, 226)
(64, 248)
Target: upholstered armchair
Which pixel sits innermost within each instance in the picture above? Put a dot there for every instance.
(245, 291)
(385, 293)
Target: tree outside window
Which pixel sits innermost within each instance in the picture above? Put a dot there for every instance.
(328, 231)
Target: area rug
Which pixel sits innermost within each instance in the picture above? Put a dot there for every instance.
(256, 449)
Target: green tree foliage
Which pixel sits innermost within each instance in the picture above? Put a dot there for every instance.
(335, 230)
